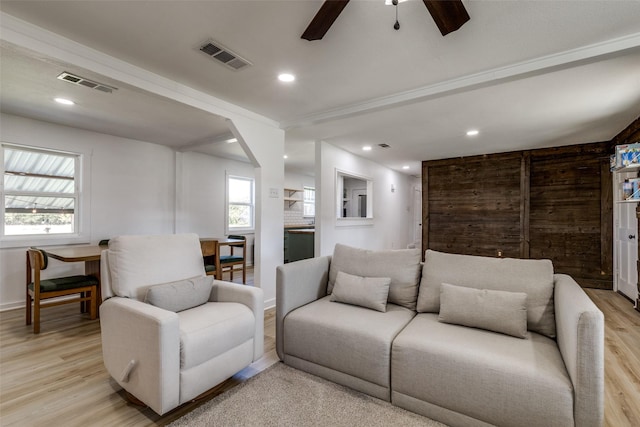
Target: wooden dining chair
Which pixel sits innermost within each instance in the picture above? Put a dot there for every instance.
(209, 256)
(228, 262)
(86, 287)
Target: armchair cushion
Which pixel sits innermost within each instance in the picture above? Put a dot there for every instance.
(137, 262)
(212, 329)
(180, 295)
(497, 311)
(367, 292)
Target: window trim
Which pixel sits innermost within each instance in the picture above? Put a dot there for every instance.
(305, 202)
(82, 227)
(252, 205)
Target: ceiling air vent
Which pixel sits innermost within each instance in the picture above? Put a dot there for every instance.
(81, 81)
(224, 55)
(383, 145)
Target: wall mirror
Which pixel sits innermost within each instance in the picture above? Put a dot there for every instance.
(354, 196)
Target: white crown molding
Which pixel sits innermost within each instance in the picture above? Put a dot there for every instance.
(545, 64)
(29, 36)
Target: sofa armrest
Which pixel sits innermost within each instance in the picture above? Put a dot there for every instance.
(141, 350)
(298, 283)
(252, 298)
(580, 335)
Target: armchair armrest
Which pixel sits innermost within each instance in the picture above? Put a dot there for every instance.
(297, 284)
(580, 335)
(252, 298)
(141, 350)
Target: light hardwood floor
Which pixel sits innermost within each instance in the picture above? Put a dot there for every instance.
(57, 378)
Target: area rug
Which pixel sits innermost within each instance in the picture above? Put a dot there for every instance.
(284, 396)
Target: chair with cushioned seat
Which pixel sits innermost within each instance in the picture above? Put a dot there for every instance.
(228, 262)
(209, 249)
(86, 287)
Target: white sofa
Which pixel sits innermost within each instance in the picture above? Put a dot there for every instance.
(192, 333)
(421, 354)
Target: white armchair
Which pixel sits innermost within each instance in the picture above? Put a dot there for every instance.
(163, 352)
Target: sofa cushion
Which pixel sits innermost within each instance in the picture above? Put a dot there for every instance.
(180, 295)
(137, 262)
(346, 338)
(368, 292)
(533, 277)
(402, 266)
(498, 311)
(211, 329)
(494, 378)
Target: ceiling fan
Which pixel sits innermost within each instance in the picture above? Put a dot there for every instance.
(449, 15)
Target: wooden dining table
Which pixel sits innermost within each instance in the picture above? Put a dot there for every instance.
(89, 254)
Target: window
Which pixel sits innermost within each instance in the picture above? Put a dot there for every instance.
(309, 205)
(240, 197)
(40, 192)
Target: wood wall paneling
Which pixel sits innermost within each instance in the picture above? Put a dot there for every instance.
(473, 205)
(549, 203)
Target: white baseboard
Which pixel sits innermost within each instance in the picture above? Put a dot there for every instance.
(269, 304)
(11, 305)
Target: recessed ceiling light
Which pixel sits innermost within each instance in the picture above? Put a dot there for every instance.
(366, 148)
(285, 156)
(231, 141)
(405, 167)
(286, 77)
(473, 132)
(64, 101)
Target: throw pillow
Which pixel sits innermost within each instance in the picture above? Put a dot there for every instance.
(534, 277)
(402, 266)
(368, 292)
(180, 295)
(497, 311)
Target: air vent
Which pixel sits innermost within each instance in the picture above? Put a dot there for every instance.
(81, 81)
(383, 145)
(224, 55)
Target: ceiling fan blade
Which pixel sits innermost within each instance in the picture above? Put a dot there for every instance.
(323, 20)
(448, 14)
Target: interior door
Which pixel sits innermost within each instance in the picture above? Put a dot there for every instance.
(626, 245)
(417, 217)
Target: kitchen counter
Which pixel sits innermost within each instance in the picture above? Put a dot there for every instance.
(287, 227)
(302, 231)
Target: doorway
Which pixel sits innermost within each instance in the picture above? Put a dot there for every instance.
(625, 242)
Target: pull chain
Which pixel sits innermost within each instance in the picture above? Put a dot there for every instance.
(396, 26)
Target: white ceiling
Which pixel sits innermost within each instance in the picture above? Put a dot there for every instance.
(527, 74)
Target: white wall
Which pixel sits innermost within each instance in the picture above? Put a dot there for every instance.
(261, 137)
(264, 144)
(391, 227)
(201, 196)
(131, 184)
